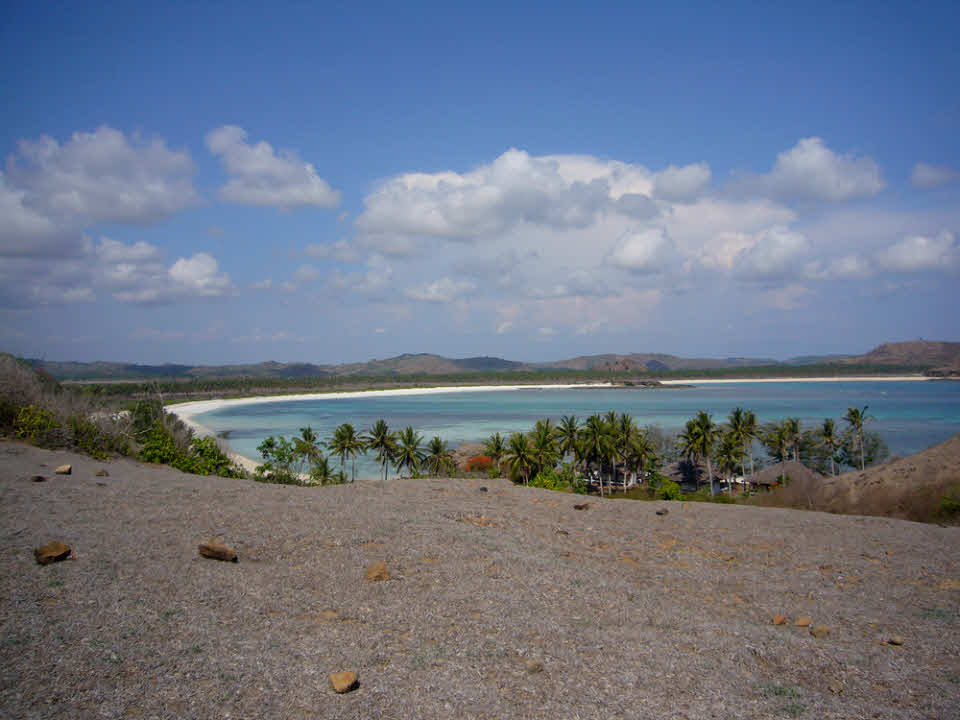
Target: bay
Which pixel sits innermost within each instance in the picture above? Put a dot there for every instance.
(910, 416)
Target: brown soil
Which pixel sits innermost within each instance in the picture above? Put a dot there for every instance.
(500, 604)
(910, 488)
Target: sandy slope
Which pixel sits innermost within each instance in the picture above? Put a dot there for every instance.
(624, 613)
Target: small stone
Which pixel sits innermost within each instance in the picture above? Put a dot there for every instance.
(820, 631)
(581, 506)
(344, 682)
(836, 687)
(218, 551)
(895, 640)
(662, 512)
(560, 531)
(803, 621)
(102, 473)
(37, 478)
(377, 572)
(483, 488)
(51, 552)
(779, 619)
(64, 470)
(533, 666)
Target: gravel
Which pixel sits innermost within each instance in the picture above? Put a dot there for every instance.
(501, 604)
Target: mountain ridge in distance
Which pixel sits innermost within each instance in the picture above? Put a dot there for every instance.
(922, 354)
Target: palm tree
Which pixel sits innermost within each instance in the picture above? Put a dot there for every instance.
(438, 457)
(624, 436)
(543, 442)
(495, 448)
(729, 455)
(698, 440)
(595, 442)
(739, 431)
(384, 442)
(642, 454)
(306, 446)
(791, 427)
(520, 456)
(347, 443)
(408, 453)
(751, 432)
(321, 474)
(831, 441)
(857, 419)
(777, 441)
(610, 421)
(567, 436)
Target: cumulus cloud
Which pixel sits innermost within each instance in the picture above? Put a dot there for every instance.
(680, 184)
(919, 253)
(103, 175)
(842, 268)
(559, 192)
(258, 175)
(930, 176)
(645, 252)
(443, 290)
(51, 191)
(774, 256)
(812, 171)
(137, 274)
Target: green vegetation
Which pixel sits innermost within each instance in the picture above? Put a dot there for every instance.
(949, 508)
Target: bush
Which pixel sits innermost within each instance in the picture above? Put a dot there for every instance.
(950, 505)
(158, 445)
(480, 463)
(95, 441)
(38, 426)
(207, 458)
(669, 490)
(548, 480)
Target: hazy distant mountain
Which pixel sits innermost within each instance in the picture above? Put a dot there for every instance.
(920, 354)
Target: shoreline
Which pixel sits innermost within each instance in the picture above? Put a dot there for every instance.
(186, 411)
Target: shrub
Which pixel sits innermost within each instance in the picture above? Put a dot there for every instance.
(278, 460)
(548, 480)
(158, 446)
(669, 490)
(95, 441)
(950, 505)
(38, 426)
(480, 463)
(207, 458)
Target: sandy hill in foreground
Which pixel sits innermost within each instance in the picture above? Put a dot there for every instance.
(910, 488)
(504, 603)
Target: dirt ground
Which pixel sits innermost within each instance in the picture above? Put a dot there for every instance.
(503, 603)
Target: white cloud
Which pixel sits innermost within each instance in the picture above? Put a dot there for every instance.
(812, 171)
(265, 284)
(680, 184)
(774, 256)
(918, 253)
(785, 298)
(259, 176)
(115, 253)
(339, 250)
(842, 268)
(929, 176)
(443, 290)
(377, 278)
(102, 176)
(645, 252)
(559, 192)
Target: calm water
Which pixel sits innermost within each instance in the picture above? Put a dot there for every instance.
(910, 416)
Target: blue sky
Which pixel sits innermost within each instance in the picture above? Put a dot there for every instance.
(232, 182)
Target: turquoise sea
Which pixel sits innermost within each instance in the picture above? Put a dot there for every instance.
(910, 416)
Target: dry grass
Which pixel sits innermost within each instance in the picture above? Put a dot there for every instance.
(630, 614)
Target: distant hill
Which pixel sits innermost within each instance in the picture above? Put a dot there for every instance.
(921, 352)
(918, 356)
